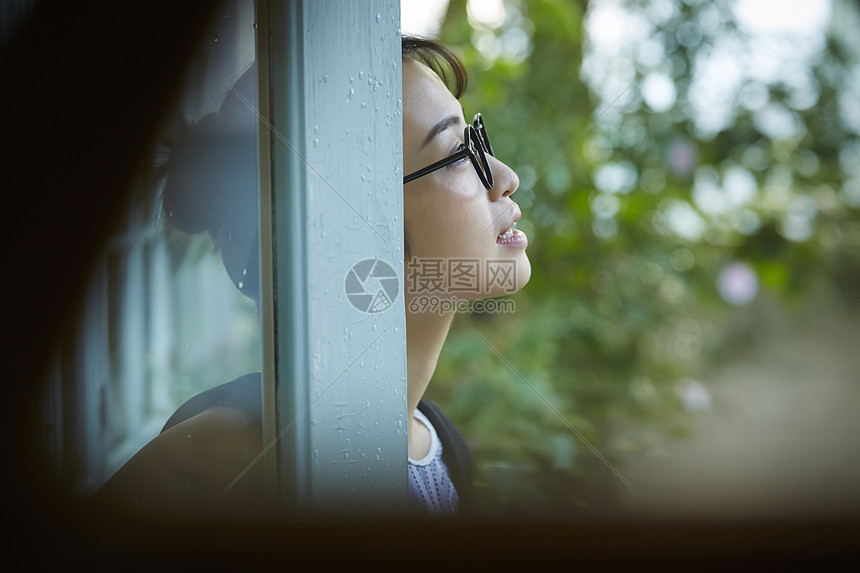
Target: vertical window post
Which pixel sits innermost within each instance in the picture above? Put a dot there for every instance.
(334, 364)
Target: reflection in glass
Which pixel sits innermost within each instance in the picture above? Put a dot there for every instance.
(163, 321)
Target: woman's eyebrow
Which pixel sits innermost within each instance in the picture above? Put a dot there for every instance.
(440, 127)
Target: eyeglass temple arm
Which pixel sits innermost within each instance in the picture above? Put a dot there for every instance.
(438, 165)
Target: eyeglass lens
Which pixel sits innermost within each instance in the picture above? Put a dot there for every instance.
(477, 146)
(483, 136)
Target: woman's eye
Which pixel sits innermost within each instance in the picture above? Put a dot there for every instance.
(457, 163)
(458, 149)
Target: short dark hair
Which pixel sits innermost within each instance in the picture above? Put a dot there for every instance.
(210, 182)
(438, 58)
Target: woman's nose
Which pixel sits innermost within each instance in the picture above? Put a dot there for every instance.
(506, 181)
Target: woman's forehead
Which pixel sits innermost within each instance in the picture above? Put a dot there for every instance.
(422, 88)
(426, 100)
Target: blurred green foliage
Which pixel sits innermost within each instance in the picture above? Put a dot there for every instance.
(632, 214)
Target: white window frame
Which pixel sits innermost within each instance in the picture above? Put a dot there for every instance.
(331, 196)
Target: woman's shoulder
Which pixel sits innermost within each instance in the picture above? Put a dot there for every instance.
(455, 450)
(244, 394)
(193, 466)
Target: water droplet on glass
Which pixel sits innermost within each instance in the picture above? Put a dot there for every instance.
(245, 271)
(241, 284)
(360, 74)
(363, 105)
(378, 18)
(316, 142)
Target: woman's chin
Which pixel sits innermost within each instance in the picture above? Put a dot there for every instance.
(524, 271)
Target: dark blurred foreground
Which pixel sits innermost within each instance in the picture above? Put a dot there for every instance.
(88, 85)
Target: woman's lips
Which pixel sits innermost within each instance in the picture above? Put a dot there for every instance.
(515, 216)
(516, 240)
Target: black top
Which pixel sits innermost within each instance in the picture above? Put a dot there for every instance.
(245, 394)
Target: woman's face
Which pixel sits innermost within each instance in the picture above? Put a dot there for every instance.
(450, 217)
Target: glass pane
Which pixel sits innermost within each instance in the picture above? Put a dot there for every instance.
(172, 309)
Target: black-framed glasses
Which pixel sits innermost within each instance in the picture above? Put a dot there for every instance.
(476, 146)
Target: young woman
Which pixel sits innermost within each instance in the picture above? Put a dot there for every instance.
(457, 205)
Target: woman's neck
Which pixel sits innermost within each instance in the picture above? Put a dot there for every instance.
(425, 335)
